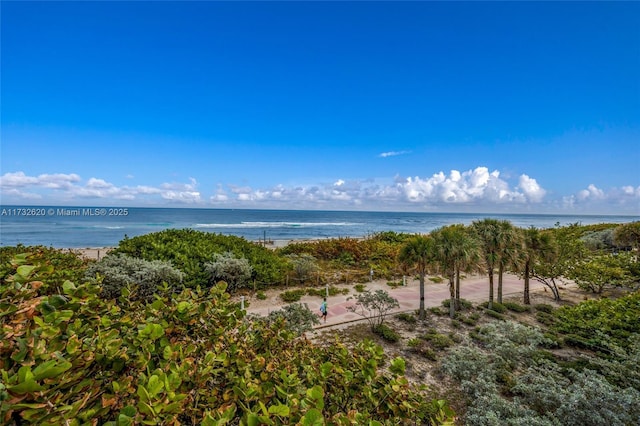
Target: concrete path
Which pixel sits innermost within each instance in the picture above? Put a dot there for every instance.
(475, 289)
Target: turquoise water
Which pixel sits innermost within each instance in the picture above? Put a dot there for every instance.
(79, 227)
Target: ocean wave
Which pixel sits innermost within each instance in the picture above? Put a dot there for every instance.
(273, 224)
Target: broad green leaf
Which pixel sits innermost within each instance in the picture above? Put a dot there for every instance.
(51, 368)
(26, 387)
(129, 411)
(68, 287)
(154, 386)
(398, 366)
(25, 270)
(253, 419)
(315, 392)
(279, 410)
(313, 417)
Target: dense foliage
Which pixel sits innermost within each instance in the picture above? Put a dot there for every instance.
(235, 271)
(601, 324)
(63, 264)
(141, 278)
(190, 250)
(378, 252)
(509, 380)
(186, 358)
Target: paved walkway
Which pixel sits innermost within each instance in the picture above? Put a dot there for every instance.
(475, 289)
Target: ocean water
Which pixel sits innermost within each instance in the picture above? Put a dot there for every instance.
(82, 227)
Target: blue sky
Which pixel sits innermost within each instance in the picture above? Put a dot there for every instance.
(401, 106)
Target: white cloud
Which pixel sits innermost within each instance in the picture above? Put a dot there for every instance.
(625, 199)
(531, 189)
(17, 187)
(476, 189)
(393, 153)
(52, 181)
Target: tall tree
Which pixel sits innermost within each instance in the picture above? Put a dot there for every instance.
(456, 251)
(488, 232)
(569, 250)
(418, 252)
(537, 245)
(511, 244)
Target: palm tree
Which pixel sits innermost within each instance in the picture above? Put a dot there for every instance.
(537, 245)
(511, 244)
(456, 251)
(418, 251)
(488, 231)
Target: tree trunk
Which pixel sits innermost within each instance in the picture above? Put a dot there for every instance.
(554, 289)
(527, 300)
(422, 314)
(490, 289)
(452, 292)
(458, 290)
(500, 273)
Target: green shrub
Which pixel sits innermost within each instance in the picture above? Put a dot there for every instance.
(189, 357)
(516, 307)
(142, 278)
(387, 333)
(290, 296)
(189, 250)
(436, 280)
(438, 311)
(545, 318)
(605, 323)
(495, 306)
(464, 304)
(494, 314)
(359, 287)
(438, 341)
(227, 267)
(261, 295)
(297, 317)
(542, 307)
(322, 292)
(420, 347)
(394, 284)
(407, 317)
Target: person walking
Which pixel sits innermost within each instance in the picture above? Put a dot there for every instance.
(323, 309)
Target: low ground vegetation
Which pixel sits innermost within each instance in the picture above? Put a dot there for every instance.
(150, 333)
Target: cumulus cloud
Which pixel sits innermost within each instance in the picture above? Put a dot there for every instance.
(393, 153)
(51, 181)
(531, 189)
(478, 189)
(16, 187)
(472, 187)
(625, 199)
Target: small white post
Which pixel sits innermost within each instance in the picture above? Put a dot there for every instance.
(326, 290)
(404, 280)
(242, 303)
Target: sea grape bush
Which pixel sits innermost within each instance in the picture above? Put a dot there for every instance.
(64, 264)
(189, 251)
(602, 323)
(142, 278)
(598, 272)
(185, 358)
